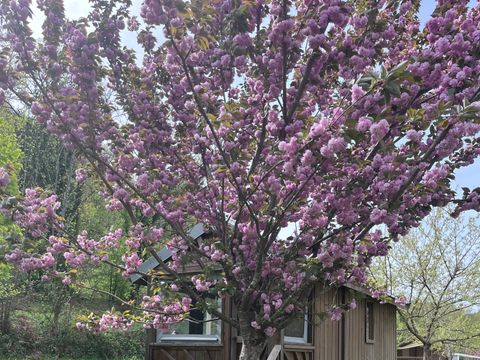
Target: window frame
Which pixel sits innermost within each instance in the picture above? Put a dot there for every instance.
(369, 322)
(304, 338)
(171, 338)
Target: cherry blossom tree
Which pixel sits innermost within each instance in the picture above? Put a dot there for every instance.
(321, 120)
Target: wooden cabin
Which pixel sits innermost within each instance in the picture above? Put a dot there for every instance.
(366, 333)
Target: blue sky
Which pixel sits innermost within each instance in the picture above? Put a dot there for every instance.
(469, 176)
(427, 7)
(75, 9)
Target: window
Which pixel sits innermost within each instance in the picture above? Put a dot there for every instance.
(199, 326)
(370, 322)
(297, 332)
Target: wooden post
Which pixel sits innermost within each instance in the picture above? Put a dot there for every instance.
(150, 334)
(282, 343)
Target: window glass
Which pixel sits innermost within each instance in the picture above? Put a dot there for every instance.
(297, 330)
(370, 322)
(199, 325)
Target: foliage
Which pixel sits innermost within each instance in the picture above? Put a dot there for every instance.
(46, 163)
(11, 154)
(10, 159)
(31, 338)
(437, 267)
(321, 120)
(97, 220)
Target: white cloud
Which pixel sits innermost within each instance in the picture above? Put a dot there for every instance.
(74, 9)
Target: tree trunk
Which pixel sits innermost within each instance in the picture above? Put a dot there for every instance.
(251, 351)
(427, 352)
(5, 307)
(253, 342)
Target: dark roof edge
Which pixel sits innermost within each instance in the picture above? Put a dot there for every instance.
(164, 254)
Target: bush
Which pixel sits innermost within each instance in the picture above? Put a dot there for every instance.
(31, 338)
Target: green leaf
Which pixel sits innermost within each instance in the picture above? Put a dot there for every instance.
(397, 71)
(393, 88)
(203, 43)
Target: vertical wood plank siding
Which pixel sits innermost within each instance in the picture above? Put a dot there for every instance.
(330, 341)
(384, 345)
(326, 334)
(183, 352)
(328, 338)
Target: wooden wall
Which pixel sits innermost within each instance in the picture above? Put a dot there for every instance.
(384, 345)
(326, 334)
(187, 352)
(345, 340)
(332, 340)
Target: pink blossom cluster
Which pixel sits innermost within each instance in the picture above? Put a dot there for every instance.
(166, 312)
(105, 322)
(37, 212)
(137, 237)
(202, 285)
(157, 302)
(178, 247)
(28, 263)
(213, 253)
(131, 262)
(337, 312)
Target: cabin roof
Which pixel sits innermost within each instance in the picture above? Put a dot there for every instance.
(389, 299)
(410, 346)
(164, 254)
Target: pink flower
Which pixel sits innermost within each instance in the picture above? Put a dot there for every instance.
(318, 129)
(357, 93)
(363, 124)
(48, 260)
(401, 300)
(414, 136)
(336, 314)
(378, 215)
(269, 331)
(379, 130)
(255, 325)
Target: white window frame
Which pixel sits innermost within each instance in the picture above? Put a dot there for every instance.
(297, 339)
(165, 337)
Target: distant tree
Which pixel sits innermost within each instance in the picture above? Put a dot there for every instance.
(10, 161)
(437, 267)
(10, 164)
(97, 221)
(48, 164)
